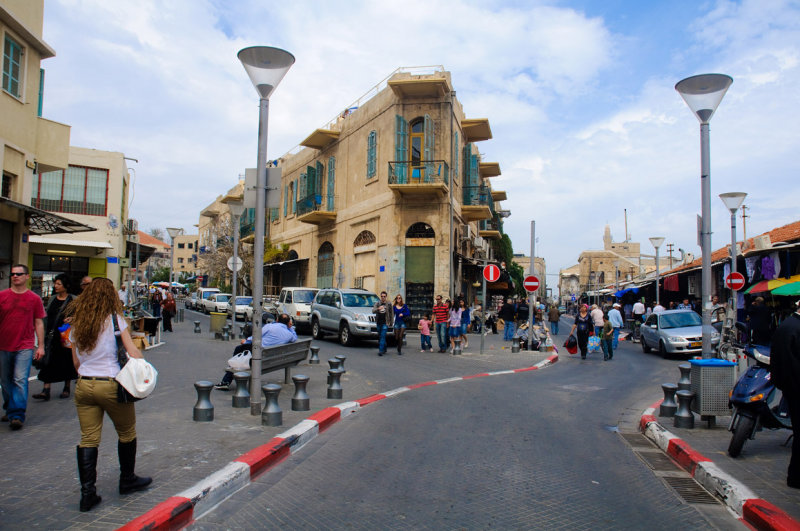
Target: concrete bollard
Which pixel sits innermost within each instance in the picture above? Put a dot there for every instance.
(272, 414)
(314, 359)
(197, 327)
(241, 395)
(300, 401)
(335, 385)
(341, 358)
(334, 364)
(668, 406)
(203, 409)
(685, 381)
(457, 347)
(515, 344)
(683, 416)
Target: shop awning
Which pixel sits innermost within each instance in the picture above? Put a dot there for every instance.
(74, 243)
(279, 264)
(43, 222)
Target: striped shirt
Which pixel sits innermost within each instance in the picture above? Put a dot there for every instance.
(440, 313)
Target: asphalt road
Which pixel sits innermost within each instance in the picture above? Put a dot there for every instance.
(529, 450)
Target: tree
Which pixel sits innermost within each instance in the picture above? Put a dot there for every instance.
(504, 252)
(219, 248)
(157, 233)
(160, 274)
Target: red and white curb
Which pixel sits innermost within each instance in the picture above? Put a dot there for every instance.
(754, 511)
(182, 509)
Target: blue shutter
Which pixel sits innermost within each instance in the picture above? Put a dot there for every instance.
(285, 199)
(430, 141)
(455, 155)
(296, 195)
(372, 145)
(400, 149)
(320, 178)
(331, 182)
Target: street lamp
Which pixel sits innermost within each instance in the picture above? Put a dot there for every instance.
(703, 94)
(236, 208)
(657, 241)
(173, 233)
(733, 200)
(266, 67)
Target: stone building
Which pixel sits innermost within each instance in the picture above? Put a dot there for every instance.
(184, 259)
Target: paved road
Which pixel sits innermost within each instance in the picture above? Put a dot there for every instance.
(528, 450)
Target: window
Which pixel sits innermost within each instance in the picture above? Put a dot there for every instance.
(372, 149)
(76, 190)
(5, 190)
(180, 260)
(12, 67)
(181, 246)
(188, 245)
(331, 182)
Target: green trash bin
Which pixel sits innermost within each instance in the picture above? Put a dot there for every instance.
(218, 322)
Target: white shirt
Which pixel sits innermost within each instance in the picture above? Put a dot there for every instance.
(658, 309)
(102, 359)
(597, 317)
(123, 296)
(638, 308)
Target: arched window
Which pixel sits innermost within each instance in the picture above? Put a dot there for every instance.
(292, 255)
(364, 237)
(420, 230)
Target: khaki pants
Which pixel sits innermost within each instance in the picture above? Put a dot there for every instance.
(93, 398)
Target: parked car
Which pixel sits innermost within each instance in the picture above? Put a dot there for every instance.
(241, 307)
(190, 302)
(296, 303)
(267, 307)
(200, 295)
(346, 312)
(675, 332)
(216, 302)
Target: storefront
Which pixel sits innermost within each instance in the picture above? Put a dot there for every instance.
(50, 257)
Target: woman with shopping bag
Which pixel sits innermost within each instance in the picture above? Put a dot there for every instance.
(585, 327)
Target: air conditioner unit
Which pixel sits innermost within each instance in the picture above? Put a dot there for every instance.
(133, 226)
(478, 242)
(466, 231)
(738, 249)
(762, 242)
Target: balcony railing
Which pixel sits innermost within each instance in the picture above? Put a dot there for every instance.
(476, 196)
(315, 203)
(407, 172)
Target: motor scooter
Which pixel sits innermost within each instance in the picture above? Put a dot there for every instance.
(757, 403)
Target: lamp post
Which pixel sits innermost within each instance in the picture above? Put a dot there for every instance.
(266, 67)
(703, 94)
(733, 200)
(657, 241)
(236, 208)
(173, 233)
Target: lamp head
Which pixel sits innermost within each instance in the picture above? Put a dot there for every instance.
(657, 241)
(266, 67)
(703, 93)
(173, 232)
(733, 200)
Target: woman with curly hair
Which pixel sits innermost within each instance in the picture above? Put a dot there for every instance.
(94, 352)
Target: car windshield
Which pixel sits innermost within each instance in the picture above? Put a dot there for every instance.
(680, 320)
(358, 300)
(304, 295)
(223, 298)
(243, 300)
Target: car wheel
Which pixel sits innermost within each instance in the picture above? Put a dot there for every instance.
(345, 337)
(316, 331)
(662, 350)
(645, 348)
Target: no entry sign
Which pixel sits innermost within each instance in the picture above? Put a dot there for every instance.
(531, 283)
(491, 273)
(735, 281)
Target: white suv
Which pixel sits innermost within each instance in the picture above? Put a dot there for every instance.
(346, 312)
(296, 303)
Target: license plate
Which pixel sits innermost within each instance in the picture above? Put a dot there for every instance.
(695, 344)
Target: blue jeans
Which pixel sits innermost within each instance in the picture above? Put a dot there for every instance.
(382, 328)
(615, 341)
(508, 331)
(425, 342)
(15, 368)
(441, 335)
(554, 327)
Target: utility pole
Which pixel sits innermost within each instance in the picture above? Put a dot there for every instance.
(670, 246)
(532, 302)
(744, 225)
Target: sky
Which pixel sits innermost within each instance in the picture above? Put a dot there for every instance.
(580, 96)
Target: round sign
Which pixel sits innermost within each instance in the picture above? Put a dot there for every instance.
(238, 263)
(735, 281)
(531, 283)
(491, 273)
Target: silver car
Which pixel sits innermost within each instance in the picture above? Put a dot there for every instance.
(346, 312)
(675, 332)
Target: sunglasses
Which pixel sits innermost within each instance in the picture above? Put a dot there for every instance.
(18, 274)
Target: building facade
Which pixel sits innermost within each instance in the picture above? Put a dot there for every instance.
(184, 259)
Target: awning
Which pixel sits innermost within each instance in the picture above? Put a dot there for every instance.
(43, 222)
(279, 264)
(74, 243)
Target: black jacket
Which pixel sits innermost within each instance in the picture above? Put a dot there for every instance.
(785, 354)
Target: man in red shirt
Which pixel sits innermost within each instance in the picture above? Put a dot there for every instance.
(440, 310)
(21, 314)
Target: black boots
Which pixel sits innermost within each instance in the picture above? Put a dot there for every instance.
(87, 472)
(128, 481)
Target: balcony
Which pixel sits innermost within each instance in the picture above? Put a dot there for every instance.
(476, 203)
(476, 129)
(489, 229)
(320, 139)
(316, 209)
(418, 87)
(415, 178)
(499, 195)
(489, 169)
(52, 145)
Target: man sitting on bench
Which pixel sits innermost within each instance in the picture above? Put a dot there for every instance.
(272, 334)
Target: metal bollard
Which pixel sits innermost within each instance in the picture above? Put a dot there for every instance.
(457, 347)
(683, 416)
(668, 406)
(226, 333)
(685, 382)
(515, 344)
(341, 358)
(334, 364)
(314, 359)
(272, 414)
(335, 385)
(180, 315)
(197, 327)
(241, 396)
(203, 409)
(241, 331)
(300, 400)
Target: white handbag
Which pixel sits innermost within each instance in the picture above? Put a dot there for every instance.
(138, 377)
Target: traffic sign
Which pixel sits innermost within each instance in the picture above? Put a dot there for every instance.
(491, 273)
(735, 281)
(531, 283)
(239, 263)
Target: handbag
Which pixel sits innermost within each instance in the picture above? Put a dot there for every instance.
(136, 378)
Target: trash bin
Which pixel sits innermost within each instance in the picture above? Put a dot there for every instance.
(712, 379)
(218, 320)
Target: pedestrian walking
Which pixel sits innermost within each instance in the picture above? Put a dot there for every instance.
(425, 333)
(507, 313)
(607, 339)
(758, 317)
(785, 369)
(57, 366)
(401, 315)
(465, 319)
(597, 320)
(454, 322)
(440, 311)
(96, 315)
(638, 310)
(155, 302)
(615, 316)
(584, 326)
(85, 281)
(168, 312)
(21, 319)
(554, 316)
(384, 318)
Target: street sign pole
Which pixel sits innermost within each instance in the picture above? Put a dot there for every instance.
(532, 304)
(483, 313)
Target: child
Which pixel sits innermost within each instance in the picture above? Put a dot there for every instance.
(607, 338)
(425, 333)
